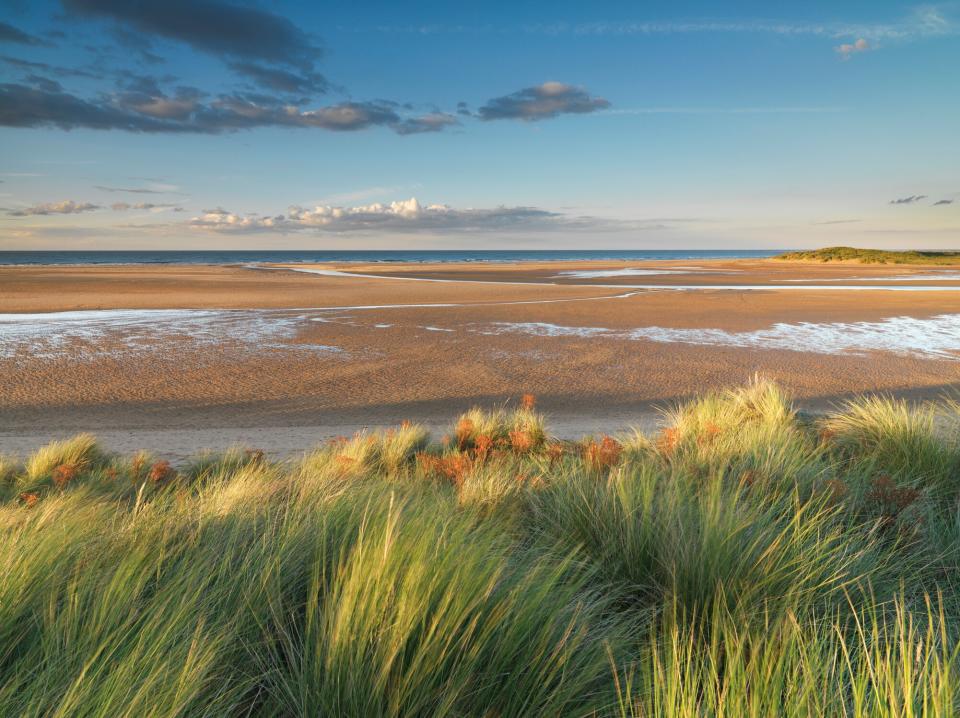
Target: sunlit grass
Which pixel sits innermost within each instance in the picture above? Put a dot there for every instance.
(743, 561)
(871, 256)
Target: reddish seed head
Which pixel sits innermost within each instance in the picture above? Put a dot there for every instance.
(464, 432)
(891, 499)
(453, 468)
(669, 438)
(29, 499)
(64, 474)
(554, 452)
(482, 446)
(160, 471)
(528, 402)
(520, 441)
(603, 454)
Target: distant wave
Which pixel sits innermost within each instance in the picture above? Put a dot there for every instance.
(216, 257)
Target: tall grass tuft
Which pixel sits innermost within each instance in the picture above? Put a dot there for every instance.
(746, 560)
(901, 663)
(897, 440)
(427, 612)
(80, 452)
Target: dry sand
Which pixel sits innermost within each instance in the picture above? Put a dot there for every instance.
(336, 368)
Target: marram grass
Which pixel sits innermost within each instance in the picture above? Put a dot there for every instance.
(745, 561)
(871, 256)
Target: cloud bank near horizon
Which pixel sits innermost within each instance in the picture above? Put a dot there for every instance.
(404, 216)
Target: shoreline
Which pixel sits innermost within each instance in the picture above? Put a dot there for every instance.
(53, 288)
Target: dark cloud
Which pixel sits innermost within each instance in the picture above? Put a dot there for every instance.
(138, 43)
(132, 190)
(541, 102)
(908, 200)
(9, 33)
(279, 80)
(68, 206)
(942, 201)
(432, 122)
(185, 112)
(146, 84)
(27, 65)
(124, 206)
(178, 107)
(44, 83)
(220, 28)
(22, 106)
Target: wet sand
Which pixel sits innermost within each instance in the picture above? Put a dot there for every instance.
(301, 357)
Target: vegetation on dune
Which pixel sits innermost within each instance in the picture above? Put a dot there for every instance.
(745, 561)
(871, 256)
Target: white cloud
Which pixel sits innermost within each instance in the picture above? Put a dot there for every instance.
(922, 22)
(848, 50)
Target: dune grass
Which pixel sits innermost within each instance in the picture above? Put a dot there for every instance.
(871, 256)
(745, 561)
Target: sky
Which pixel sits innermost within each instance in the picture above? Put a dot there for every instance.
(192, 124)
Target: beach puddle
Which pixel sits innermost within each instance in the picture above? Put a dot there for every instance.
(797, 285)
(120, 332)
(936, 337)
(635, 272)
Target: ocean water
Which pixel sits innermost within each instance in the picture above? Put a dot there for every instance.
(364, 256)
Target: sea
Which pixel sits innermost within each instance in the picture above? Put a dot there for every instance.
(369, 256)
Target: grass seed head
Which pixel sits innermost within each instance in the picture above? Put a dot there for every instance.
(160, 471)
(64, 474)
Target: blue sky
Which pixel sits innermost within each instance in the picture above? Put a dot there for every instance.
(220, 123)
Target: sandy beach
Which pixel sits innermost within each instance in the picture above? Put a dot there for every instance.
(181, 358)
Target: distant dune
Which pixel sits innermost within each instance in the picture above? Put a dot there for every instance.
(871, 256)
